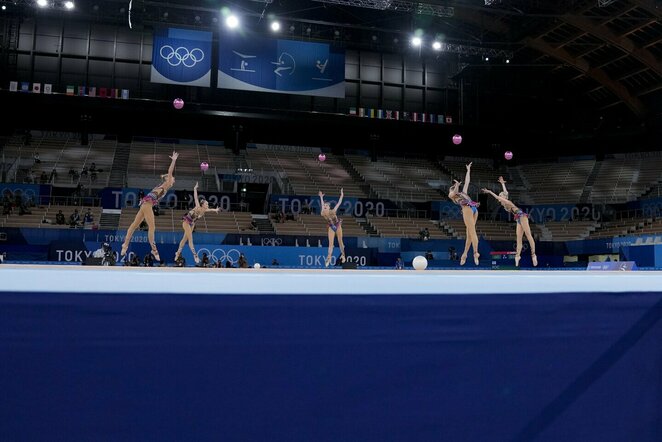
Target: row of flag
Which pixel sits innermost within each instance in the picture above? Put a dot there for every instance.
(81, 91)
(404, 116)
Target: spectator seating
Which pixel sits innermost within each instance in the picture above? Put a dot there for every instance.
(305, 174)
(406, 227)
(402, 179)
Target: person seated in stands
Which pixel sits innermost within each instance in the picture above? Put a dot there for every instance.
(83, 173)
(43, 178)
(156, 210)
(30, 177)
(141, 194)
(424, 234)
(51, 179)
(93, 176)
(148, 260)
(204, 262)
(74, 219)
(88, 218)
(429, 256)
(74, 175)
(218, 264)
(452, 254)
(59, 218)
(6, 205)
(143, 225)
(3, 257)
(23, 210)
(290, 216)
(93, 167)
(243, 263)
(275, 262)
(399, 265)
(181, 262)
(228, 264)
(35, 157)
(134, 261)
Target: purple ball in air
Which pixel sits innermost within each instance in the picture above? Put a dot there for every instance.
(178, 103)
(508, 155)
(457, 139)
(321, 157)
(204, 166)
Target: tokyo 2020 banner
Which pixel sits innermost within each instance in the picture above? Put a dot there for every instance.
(282, 66)
(181, 56)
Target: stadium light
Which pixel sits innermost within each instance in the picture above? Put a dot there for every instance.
(232, 22)
(275, 26)
(69, 5)
(4, 8)
(436, 46)
(42, 3)
(416, 41)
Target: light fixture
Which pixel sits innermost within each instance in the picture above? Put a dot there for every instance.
(416, 41)
(436, 46)
(69, 5)
(42, 3)
(275, 26)
(487, 58)
(4, 8)
(507, 61)
(232, 21)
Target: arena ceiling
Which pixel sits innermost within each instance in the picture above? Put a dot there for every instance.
(608, 51)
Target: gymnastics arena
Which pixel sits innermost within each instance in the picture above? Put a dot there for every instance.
(331, 220)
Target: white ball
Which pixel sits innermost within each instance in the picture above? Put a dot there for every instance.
(420, 263)
(257, 265)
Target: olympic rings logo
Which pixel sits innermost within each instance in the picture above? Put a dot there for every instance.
(231, 255)
(271, 241)
(181, 55)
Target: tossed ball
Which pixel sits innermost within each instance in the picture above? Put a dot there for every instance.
(508, 155)
(178, 103)
(204, 166)
(257, 265)
(321, 157)
(420, 263)
(457, 139)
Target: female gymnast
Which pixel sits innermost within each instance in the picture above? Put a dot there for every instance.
(146, 205)
(522, 219)
(188, 223)
(469, 214)
(335, 226)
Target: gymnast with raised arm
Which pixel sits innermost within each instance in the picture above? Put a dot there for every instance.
(188, 224)
(469, 215)
(522, 219)
(335, 226)
(146, 205)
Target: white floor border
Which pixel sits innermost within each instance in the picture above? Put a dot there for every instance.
(80, 279)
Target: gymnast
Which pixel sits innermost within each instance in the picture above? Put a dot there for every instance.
(188, 223)
(334, 226)
(469, 215)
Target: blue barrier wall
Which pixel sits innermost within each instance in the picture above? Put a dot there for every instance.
(136, 367)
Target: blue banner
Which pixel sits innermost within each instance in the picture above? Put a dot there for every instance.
(358, 207)
(181, 56)
(285, 66)
(38, 194)
(116, 198)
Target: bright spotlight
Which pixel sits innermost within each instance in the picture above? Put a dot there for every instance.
(42, 3)
(69, 5)
(436, 46)
(487, 58)
(232, 21)
(275, 26)
(507, 61)
(4, 8)
(416, 41)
